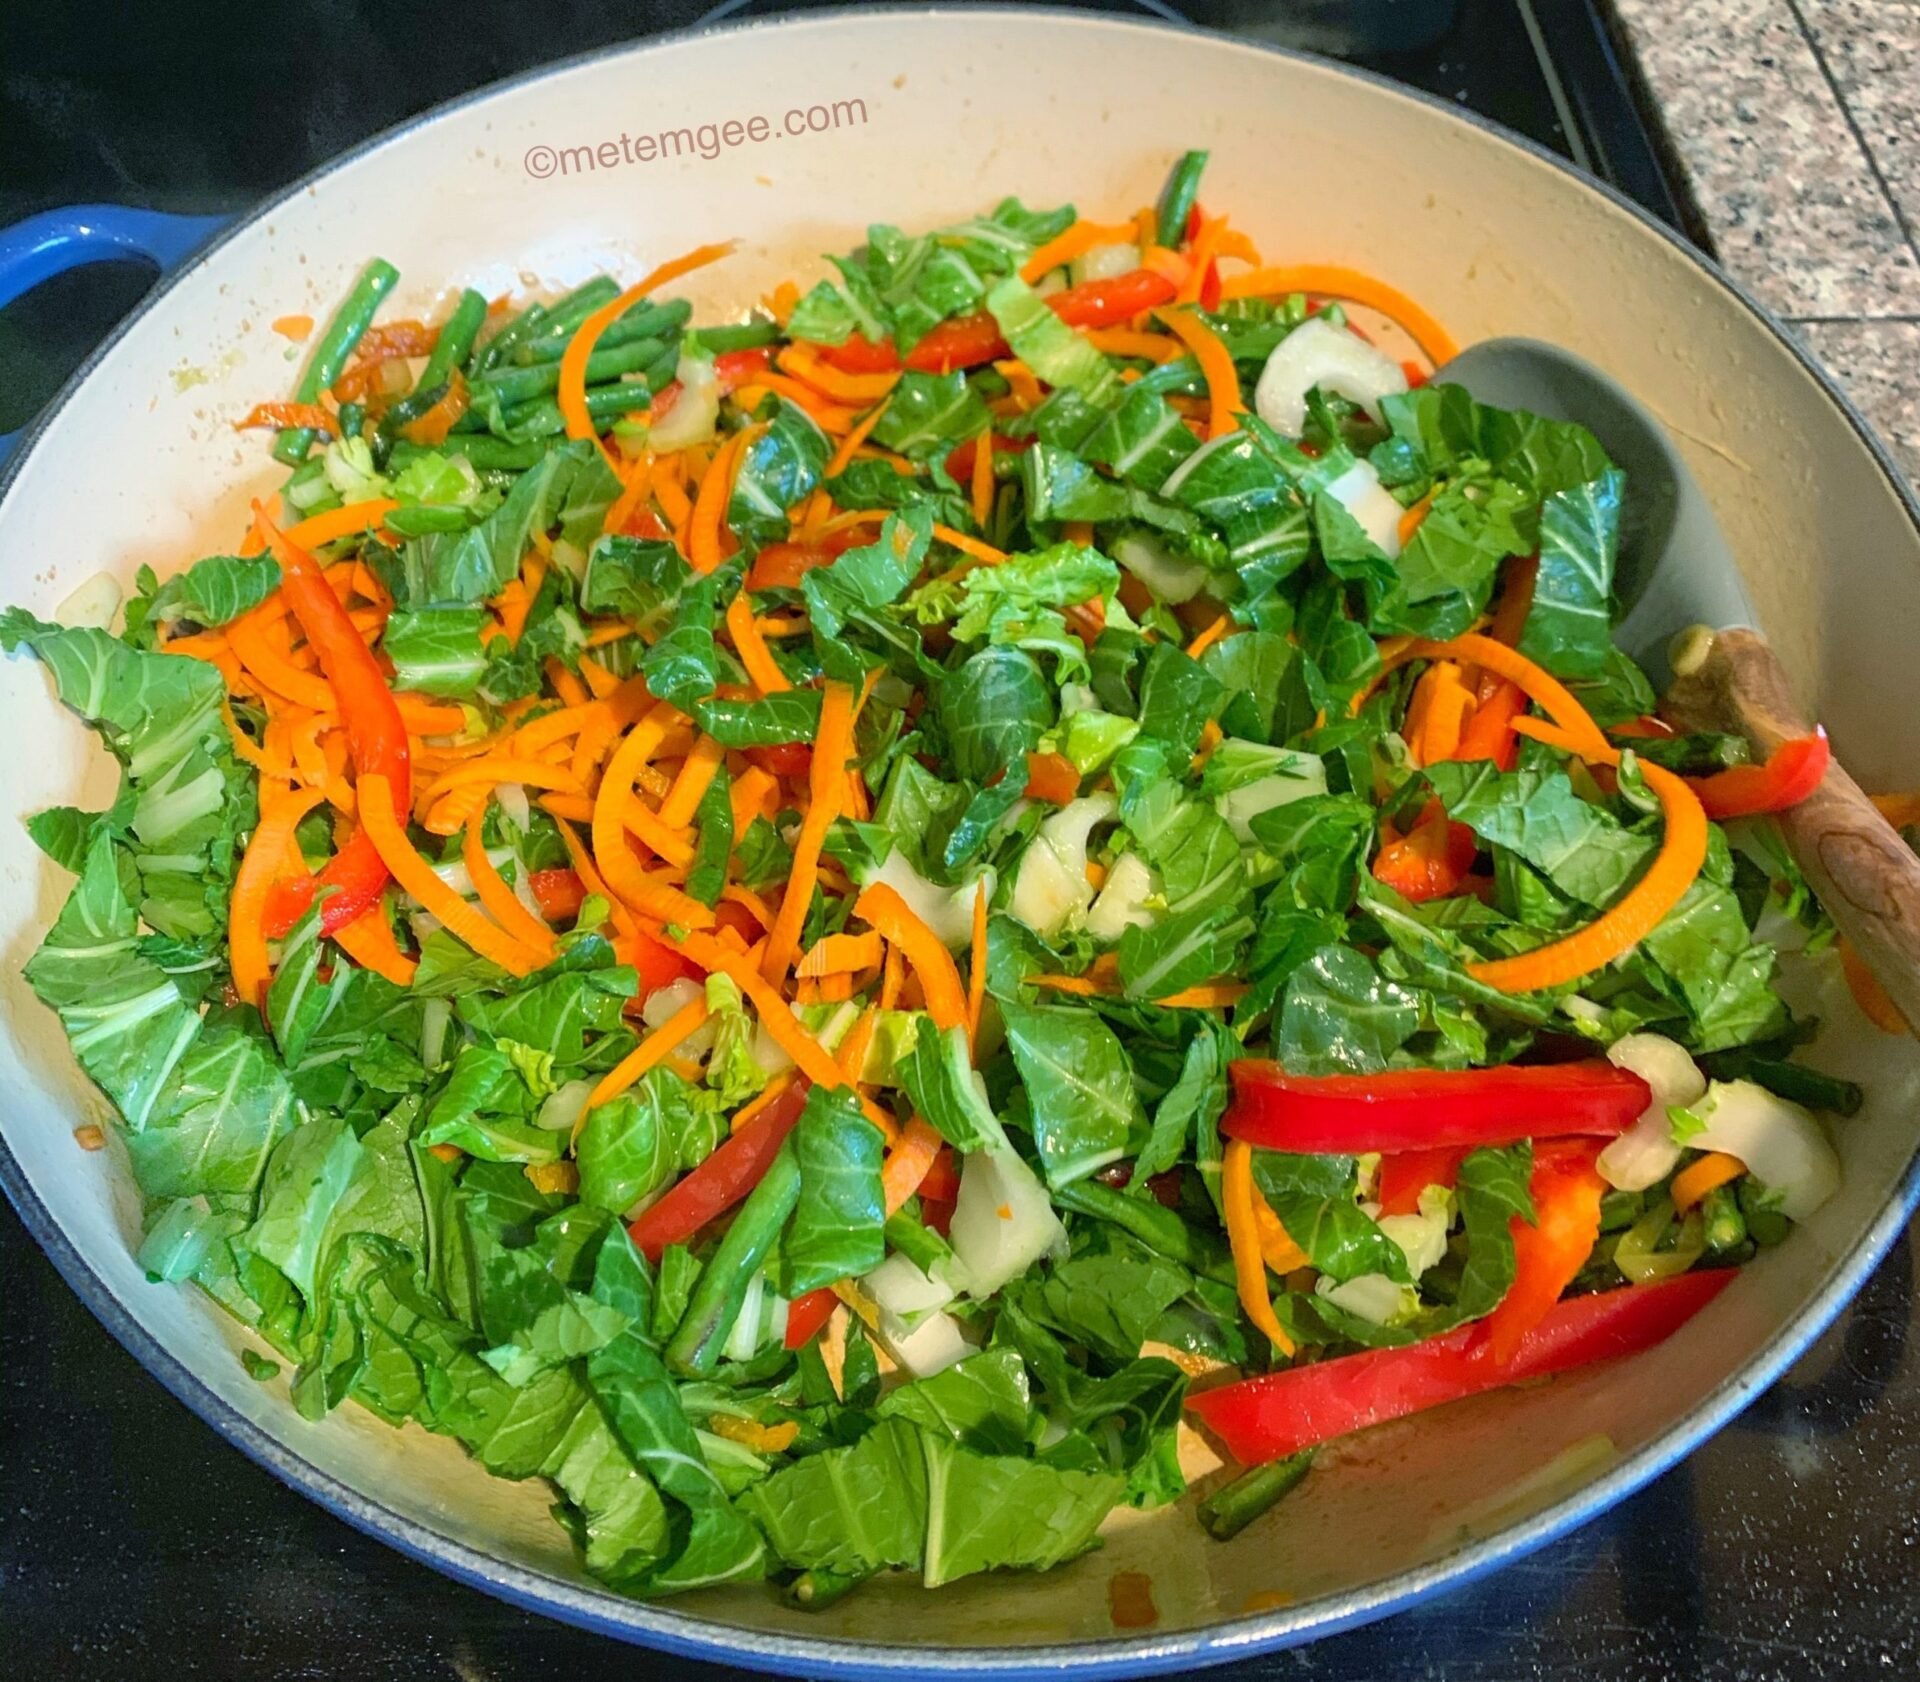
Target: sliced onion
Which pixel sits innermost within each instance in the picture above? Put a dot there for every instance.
(1782, 1144)
(1645, 1154)
(1319, 354)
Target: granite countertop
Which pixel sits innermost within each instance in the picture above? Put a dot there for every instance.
(1797, 124)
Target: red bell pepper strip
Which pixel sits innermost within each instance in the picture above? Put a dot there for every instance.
(376, 738)
(1414, 1109)
(806, 1315)
(960, 458)
(859, 355)
(1100, 303)
(558, 893)
(723, 1179)
(964, 342)
(782, 759)
(941, 1182)
(1431, 861)
(781, 566)
(1489, 732)
(1280, 1413)
(1791, 772)
(1548, 1252)
(1404, 1175)
(740, 367)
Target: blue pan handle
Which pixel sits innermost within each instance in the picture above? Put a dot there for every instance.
(55, 241)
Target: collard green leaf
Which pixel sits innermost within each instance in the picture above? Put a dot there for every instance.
(1341, 1016)
(793, 715)
(939, 1077)
(684, 665)
(929, 413)
(215, 590)
(836, 1229)
(778, 470)
(637, 579)
(994, 708)
(436, 650)
(1568, 628)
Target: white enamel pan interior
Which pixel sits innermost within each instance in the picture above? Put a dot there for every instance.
(139, 464)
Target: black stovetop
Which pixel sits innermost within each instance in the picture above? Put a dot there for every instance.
(134, 1544)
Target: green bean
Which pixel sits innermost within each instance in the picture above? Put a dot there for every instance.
(505, 342)
(1234, 1506)
(1158, 1228)
(643, 321)
(542, 418)
(1176, 198)
(722, 1288)
(518, 384)
(1726, 1226)
(1620, 1209)
(747, 335)
(816, 1590)
(664, 370)
(455, 344)
(329, 359)
(1793, 1081)
(1766, 1226)
(565, 314)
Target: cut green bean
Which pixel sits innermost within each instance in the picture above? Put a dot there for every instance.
(455, 344)
(643, 321)
(1156, 1227)
(487, 454)
(502, 346)
(517, 384)
(1234, 1506)
(746, 335)
(1794, 1082)
(542, 418)
(1176, 198)
(703, 1331)
(816, 1590)
(1726, 1226)
(329, 359)
(565, 314)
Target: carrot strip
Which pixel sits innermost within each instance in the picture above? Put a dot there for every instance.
(259, 866)
(907, 1163)
(762, 669)
(1243, 1236)
(841, 954)
(672, 1033)
(1694, 1181)
(1224, 407)
(1076, 241)
(368, 941)
(590, 877)
(1331, 280)
(336, 523)
(414, 874)
(933, 965)
(812, 1059)
(982, 485)
(572, 392)
(1211, 635)
(1200, 255)
(977, 967)
(499, 900)
(805, 364)
(749, 792)
(710, 506)
(1411, 518)
(633, 886)
(1539, 685)
(246, 636)
(697, 772)
(424, 718)
(826, 788)
(1125, 341)
(843, 451)
(1277, 1247)
(1875, 1003)
(632, 497)
(644, 823)
(1683, 849)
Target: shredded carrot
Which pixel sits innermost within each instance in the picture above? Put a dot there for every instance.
(368, 941)
(590, 877)
(1211, 635)
(697, 771)
(1875, 1003)
(499, 900)
(424, 718)
(1683, 849)
(1102, 981)
(762, 669)
(294, 327)
(1437, 713)
(826, 788)
(812, 1059)
(977, 967)
(1694, 1181)
(933, 965)
(1022, 383)
(1124, 341)
(983, 553)
(569, 688)
(1330, 280)
(761, 1100)
(804, 363)
(433, 426)
(308, 415)
(841, 954)
(1200, 256)
(831, 418)
(1078, 239)
(414, 874)
(643, 823)
(336, 523)
(571, 394)
(259, 867)
(982, 486)
(1539, 685)
(1243, 1236)
(599, 680)
(1216, 367)
(633, 495)
(1516, 600)
(636, 888)
(576, 808)
(843, 452)
(247, 637)
(907, 1163)
(1207, 995)
(749, 792)
(672, 1033)
(503, 768)
(1410, 519)
(1277, 1247)
(710, 506)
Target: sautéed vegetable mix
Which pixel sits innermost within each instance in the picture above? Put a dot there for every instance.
(825, 930)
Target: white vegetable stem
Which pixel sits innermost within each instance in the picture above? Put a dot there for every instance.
(1317, 353)
(1052, 891)
(1781, 1144)
(1645, 1154)
(696, 407)
(1002, 1223)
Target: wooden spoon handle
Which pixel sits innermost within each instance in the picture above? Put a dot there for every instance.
(1867, 877)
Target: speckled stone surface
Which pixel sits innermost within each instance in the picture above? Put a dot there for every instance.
(1798, 124)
